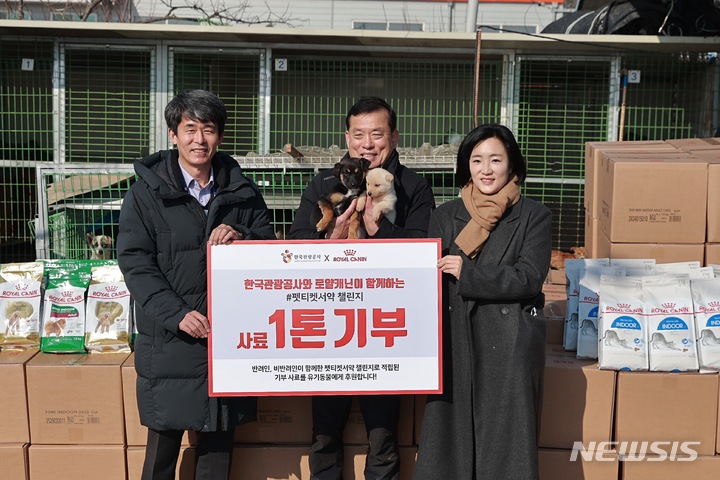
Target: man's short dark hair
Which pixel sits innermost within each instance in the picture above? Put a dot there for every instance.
(369, 105)
(199, 106)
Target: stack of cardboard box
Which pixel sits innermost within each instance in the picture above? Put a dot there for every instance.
(606, 425)
(76, 416)
(14, 430)
(653, 199)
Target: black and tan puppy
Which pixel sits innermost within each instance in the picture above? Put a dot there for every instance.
(350, 173)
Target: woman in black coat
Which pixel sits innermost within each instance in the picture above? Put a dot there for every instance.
(496, 253)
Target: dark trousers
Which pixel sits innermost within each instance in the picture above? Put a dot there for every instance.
(330, 414)
(213, 451)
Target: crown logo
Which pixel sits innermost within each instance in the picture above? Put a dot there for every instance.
(714, 304)
(623, 305)
(668, 305)
(67, 294)
(349, 252)
(21, 286)
(111, 288)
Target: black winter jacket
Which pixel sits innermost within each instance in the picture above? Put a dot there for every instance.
(415, 202)
(162, 253)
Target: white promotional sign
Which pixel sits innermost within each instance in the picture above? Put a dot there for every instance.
(330, 317)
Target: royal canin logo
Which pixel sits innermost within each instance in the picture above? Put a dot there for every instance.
(589, 299)
(672, 309)
(623, 308)
(711, 307)
(350, 256)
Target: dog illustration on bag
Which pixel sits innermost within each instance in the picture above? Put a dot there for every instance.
(13, 324)
(104, 320)
(56, 327)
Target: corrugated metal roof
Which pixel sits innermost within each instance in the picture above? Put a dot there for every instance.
(362, 40)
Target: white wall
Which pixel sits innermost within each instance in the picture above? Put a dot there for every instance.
(340, 14)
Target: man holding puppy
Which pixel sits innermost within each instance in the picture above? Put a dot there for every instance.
(372, 134)
(183, 199)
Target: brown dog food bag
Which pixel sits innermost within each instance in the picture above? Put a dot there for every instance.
(107, 312)
(20, 301)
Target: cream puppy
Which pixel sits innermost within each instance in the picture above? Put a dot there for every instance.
(380, 187)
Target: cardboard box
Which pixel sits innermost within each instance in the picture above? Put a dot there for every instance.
(592, 232)
(14, 461)
(713, 203)
(695, 144)
(556, 276)
(557, 465)
(554, 292)
(13, 396)
(292, 463)
(280, 420)
(577, 403)
(593, 155)
(558, 350)
(712, 254)
(667, 407)
(661, 252)
(271, 462)
(76, 399)
(702, 468)
(77, 462)
(555, 330)
(136, 434)
(653, 201)
(288, 420)
(185, 465)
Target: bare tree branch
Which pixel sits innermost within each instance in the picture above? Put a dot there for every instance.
(211, 12)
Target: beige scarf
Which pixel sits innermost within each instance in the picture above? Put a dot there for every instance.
(486, 211)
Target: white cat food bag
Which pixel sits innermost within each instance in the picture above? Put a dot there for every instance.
(706, 308)
(107, 311)
(671, 326)
(704, 272)
(588, 303)
(640, 267)
(622, 344)
(573, 271)
(20, 300)
(691, 268)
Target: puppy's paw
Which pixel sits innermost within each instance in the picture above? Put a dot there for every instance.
(360, 206)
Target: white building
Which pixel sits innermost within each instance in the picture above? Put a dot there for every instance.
(523, 16)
